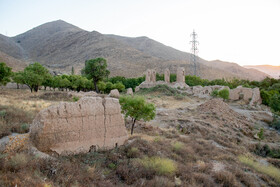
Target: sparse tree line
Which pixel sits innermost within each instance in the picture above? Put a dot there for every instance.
(95, 75)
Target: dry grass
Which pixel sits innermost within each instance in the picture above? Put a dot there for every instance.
(265, 169)
(162, 166)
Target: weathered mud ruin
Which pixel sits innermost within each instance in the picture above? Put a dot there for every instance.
(70, 128)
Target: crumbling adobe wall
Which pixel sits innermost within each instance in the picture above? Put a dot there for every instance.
(70, 128)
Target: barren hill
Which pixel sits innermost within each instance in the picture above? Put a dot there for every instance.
(59, 46)
(273, 71)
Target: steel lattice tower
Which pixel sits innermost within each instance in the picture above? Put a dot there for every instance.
(194, 52)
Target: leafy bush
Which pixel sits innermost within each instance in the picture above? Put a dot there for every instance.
(75, 98)
(119, 86)
(215, 93)
(224, 93)
(193, 80)
(274, 102)
(109, 87)
(162, 166)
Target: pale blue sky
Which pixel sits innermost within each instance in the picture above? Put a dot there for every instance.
(242, 31)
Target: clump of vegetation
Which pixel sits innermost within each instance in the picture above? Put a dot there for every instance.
(18, 161)
(132, 152)
(215, 93)
(177, 146)
(265, 169)
(13, 119)
(224, 93)
(75, 98)
(266, 151)
(137, 108)
(261, 134)
(162, 166)
(108, 86)
(5, 73)
(276, 123)
(274, 102)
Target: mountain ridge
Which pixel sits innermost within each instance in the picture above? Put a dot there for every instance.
(59, 45)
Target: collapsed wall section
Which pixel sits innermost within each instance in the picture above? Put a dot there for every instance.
(70, 128)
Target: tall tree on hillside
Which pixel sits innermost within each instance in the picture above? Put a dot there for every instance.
(5, 73)
(96, 69)
(34, 76)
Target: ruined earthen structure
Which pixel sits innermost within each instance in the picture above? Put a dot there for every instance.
(89, 124)
(148, 75)
(249, 95)
(150, 80)
(167, 75)
(129, 91)
(153, 76)
(180, 76)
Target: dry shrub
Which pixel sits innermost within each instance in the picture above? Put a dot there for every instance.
(265, 169)
(18, 161)
(130, 172)
(275, 162)
(162, 166)
(225, 178)
(202, 179)
(244, 178)
(177, 146)
(159, 181)
(13, 119)
(133, 152)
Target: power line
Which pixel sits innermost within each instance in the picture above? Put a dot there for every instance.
(194, 51)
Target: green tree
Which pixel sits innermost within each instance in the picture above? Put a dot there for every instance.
(34, 75)
(275, 102)
(137, 108)
(47, 81)
(96, 70)
(18, 78)
(5, 73)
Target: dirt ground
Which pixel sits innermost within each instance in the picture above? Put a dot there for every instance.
(205, 139)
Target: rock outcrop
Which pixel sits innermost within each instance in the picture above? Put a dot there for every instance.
(114, 93)
(70, 128)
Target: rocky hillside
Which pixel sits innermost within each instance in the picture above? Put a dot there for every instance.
(59, 46)
(273, 71)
